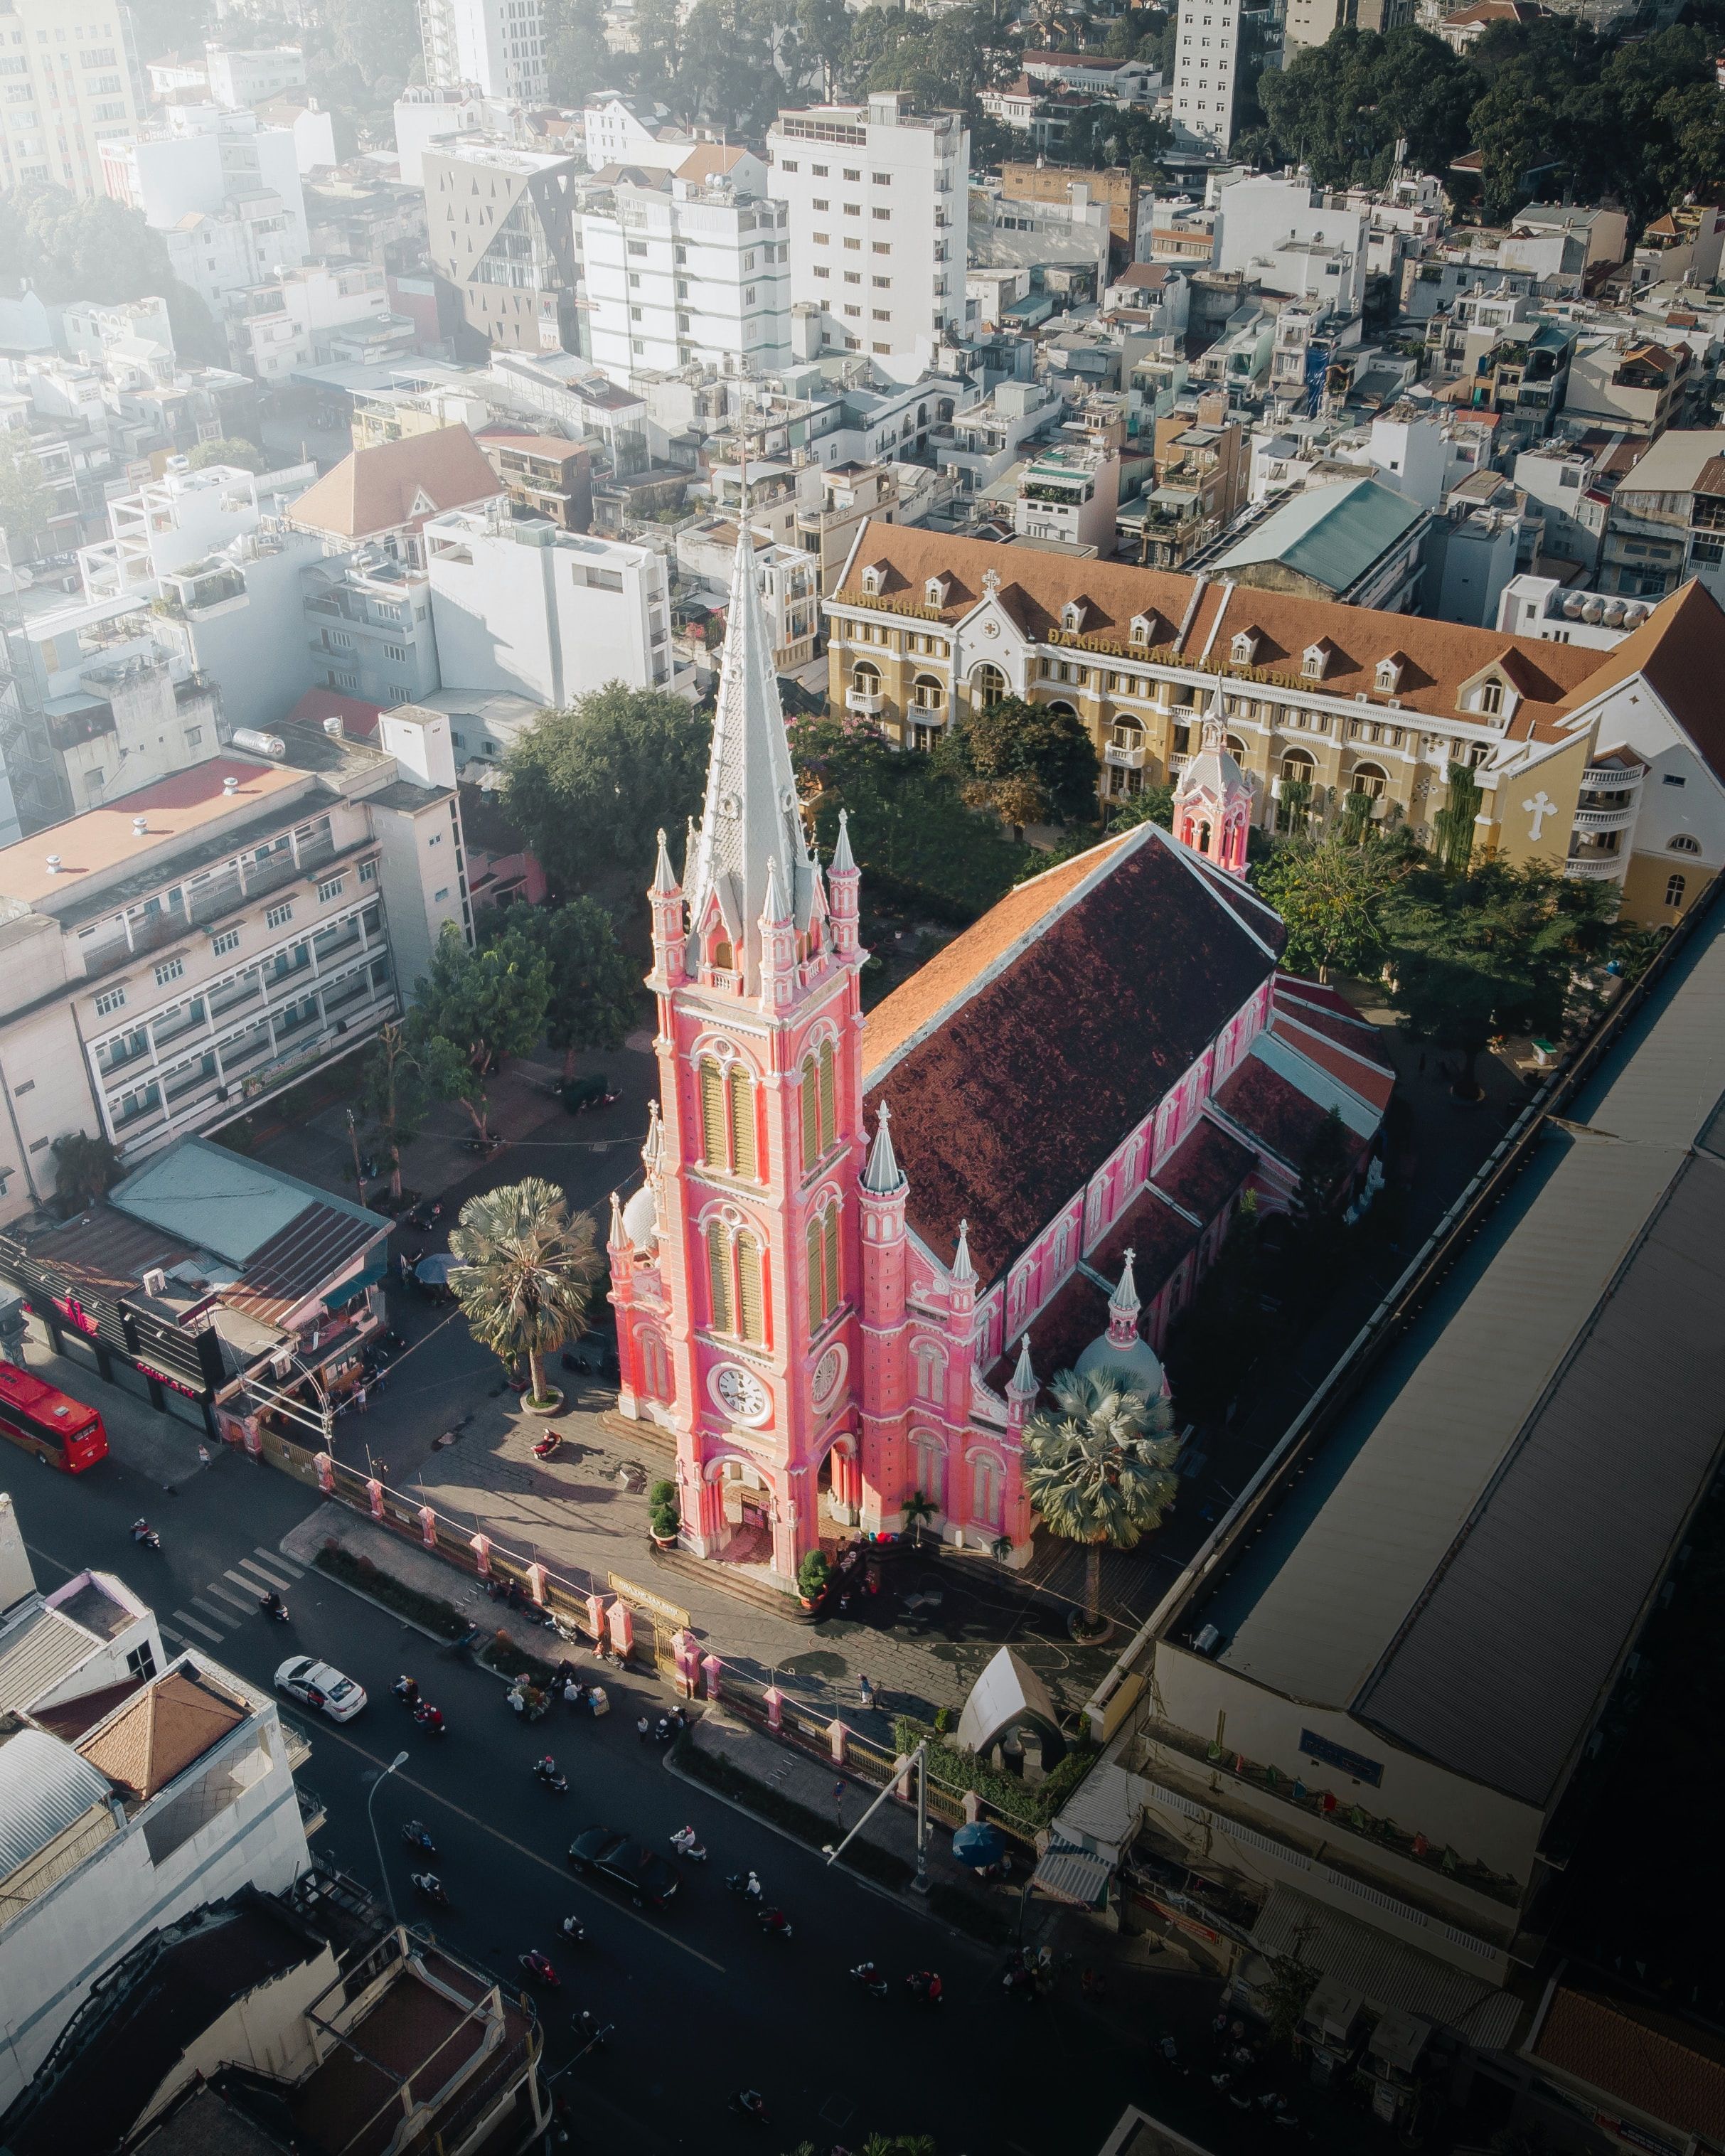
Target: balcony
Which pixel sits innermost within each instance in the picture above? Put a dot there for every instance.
(866, 703)
(1124, 756)
(1605, 819)
(1607, 778)
(1595, 868)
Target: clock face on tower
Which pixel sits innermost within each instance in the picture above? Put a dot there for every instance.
(741, 1393)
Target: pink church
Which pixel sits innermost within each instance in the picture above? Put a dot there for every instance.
(858, 1238)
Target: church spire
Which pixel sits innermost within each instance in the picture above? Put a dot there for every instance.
(883, 1175)
(1123, 1307)
(750, 817)
(962, 1268)
(664, 882)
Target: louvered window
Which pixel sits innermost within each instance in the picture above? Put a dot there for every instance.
(752, 1324)
(712, 1114)
(817, 1280)
(743, 1121)
(829, 1124)
(718, 1257)
(832, 1261)
(809, 1103)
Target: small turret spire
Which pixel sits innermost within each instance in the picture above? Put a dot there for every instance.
(1023, 1381)
(773, 908)
(963, 1269)
(655, 1141)
(1123, 1307)
(843, 862)
(883, 1176)
(664, 884)
(618, 1240)
(1215, 718)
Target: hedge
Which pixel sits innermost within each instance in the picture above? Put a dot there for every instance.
(430, 1610)
(1033, 1804)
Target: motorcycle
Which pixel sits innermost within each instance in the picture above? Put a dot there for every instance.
(774, 1924)
(544, 1772)
(688, 1846)
(145, 1535)
(431, 1887)
(870, 1978)
(592, 2032)
(743, 1883)
(751, 2104)
(426, 1216)
(548, 1445)
(540, 1969)
(925, 1987)
(573, 1929)
(429, 1719)
(406, 1691)
(274, 1608)
(418, 1836)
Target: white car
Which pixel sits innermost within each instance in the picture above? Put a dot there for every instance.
(320, 1686)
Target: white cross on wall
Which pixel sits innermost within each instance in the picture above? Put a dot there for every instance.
(1539, 808)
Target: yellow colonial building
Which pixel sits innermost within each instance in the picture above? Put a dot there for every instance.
(1609, 763)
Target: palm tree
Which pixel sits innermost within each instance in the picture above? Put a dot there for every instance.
(1100, 1472)
(918, 1508)
(526, 1274)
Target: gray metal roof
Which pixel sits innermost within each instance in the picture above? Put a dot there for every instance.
(1412, 1483)
(39, 1654)
(1499, 1671)
(1386, 1974)
(44, 1788)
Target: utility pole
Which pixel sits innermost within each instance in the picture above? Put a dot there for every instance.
(917, 1763)
(359, 1181)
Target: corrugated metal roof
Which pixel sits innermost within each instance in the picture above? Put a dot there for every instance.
(1331, 534)
(1384, 1971)
(1074, 1875)
(1339, 1570)
(219, 1201)
(44, 1788)
(307, 1254)
(1499, 1671)
(39, 1655)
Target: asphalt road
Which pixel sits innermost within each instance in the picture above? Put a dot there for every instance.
(702, 2004)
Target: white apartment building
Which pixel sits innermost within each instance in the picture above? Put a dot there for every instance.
(241, 75)
(540, 611)
(1069, 492)
(425, 114)
(1206, 66)
(315, 315)
(616, 134)
(368, 628)
(879, 200)
(171, 957)
(225, 190)
(497, 45)
(69, 79)
(1277, 232)
(687, 272)
(134, 1787)
(178, 518)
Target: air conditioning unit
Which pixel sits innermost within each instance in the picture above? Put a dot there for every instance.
(155, 1281)
(1207, 1641)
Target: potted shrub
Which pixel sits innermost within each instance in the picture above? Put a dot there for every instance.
(663, 1518)
(813, 1576)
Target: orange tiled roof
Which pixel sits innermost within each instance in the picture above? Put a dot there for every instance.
(1680, 652)
(159, 1734)
(1661, 2064)
(376, 489)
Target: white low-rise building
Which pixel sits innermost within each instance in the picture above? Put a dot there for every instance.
(200, 161)
(543, 612)
(132, 1791)
(179, 518)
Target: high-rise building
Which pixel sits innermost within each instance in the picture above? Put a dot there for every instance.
(693, 266)
(70, 81)
(878, 202)
(501, 231)
(497, 45)
(1206, 56)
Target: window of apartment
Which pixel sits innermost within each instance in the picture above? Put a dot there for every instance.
(883, 314)
(855, 246)
(1674, 890)
(853, 276)
(881, 247)
(169, 969)
(634, 281)
(228, 941)
(820, 172)
(788, 165)
(194, 737)
(820, 202)
(880, 348)
(882, 179)
(1674, 778)
(881, 284)
(140, 1662)
(855, 209)
(109, 1001)
(368, 872)
(822, 270)
(438, 896)
(882, 215)
(638, 247)
(821, 239)
(332, 887)
(279, 917)
(852, 172)
(856, 311)
(396, 651)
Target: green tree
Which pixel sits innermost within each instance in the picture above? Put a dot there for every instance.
(595, 991)
(85, 1169)
(588, 786)
(724, 70)
(524, 1274)
(1027, 762)
(823, 27)
(1341, 107)
(658, 46)
(1109, 134)
(1292, 1981)
(1100, 1470)
(230, 450)
(1323, 1174)
(1150, 804)
(1452, 826)
(25, 502)
(577, 60)
(1331, 895)
(94, 247)
(1490, 951)
(394, 1095)
(474, 1008)
(910, 830)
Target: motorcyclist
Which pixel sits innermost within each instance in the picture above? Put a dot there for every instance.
(752, 1887)
(272, 1600)
(406, 1690)
(141, 1529)
(429, 1716)
(684, 1839)
(546, 1769)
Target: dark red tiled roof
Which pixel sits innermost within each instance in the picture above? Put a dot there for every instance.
(1206, 1170)
(1050, 1056)
(1664, 2065)
(1157, 1236)
(1275, 1112)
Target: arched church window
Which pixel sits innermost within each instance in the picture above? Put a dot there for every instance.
(654, 1364)
(823, 1256)
(711, 1080)
(808, 1107)
(929, 1367)
(828, 1112)
(1369, 780)
(1675, 887)
(987, 685)
(751, 1316)
(740, 1100)
(718, 1266)
(831, 1239)
(929, 1467)
(985, 1490)
(724, 957)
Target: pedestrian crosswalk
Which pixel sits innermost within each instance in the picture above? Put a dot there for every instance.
(223, 1609)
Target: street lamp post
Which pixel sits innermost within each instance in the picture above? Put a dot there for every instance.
(399, 1760)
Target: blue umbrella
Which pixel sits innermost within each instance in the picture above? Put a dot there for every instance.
(436, 1269)
(979, 1846)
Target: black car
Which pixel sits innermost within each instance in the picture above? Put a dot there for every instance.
(626, 1864)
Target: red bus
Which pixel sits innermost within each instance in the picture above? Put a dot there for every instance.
(64, 1432)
